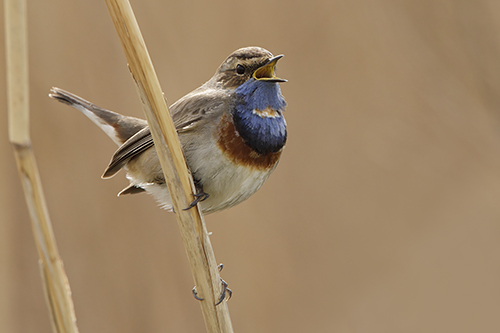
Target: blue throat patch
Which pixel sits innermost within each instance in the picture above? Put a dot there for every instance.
(258, 116)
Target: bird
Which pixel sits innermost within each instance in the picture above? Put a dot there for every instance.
(232, 132)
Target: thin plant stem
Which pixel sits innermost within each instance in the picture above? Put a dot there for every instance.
(179, 181)
(55, 282)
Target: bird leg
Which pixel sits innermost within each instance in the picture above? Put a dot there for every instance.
(199, 196)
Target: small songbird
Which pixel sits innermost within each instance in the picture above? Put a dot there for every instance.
(231, 129)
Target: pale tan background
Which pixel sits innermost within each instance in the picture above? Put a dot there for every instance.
(383, 215)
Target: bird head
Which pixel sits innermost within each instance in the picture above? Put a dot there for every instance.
(244, 64)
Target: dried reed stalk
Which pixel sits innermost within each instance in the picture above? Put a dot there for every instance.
(57, 290)
(179, 181)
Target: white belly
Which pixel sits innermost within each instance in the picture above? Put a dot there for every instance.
(226, 183)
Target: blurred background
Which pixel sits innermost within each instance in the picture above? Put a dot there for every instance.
(383, 215)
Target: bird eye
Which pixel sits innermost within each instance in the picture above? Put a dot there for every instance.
(240, 69)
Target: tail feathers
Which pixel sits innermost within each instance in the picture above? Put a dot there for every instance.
(118, 127)
(131, 189)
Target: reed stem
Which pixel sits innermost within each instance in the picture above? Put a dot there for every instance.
(55, 282)
(179, 181)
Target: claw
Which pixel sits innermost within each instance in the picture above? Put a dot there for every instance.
(195, 294)
(225, 290)
(198, 197)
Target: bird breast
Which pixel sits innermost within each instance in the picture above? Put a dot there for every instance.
(233, 146)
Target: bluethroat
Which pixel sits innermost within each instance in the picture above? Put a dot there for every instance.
(232, 132)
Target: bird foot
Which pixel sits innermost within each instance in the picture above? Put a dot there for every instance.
(198, 197)
(225, 290)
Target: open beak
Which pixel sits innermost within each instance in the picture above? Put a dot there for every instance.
(267, 72)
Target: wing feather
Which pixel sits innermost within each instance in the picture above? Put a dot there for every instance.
(138, 143)
(189, 112)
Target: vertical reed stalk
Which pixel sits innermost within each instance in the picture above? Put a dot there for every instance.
(56, 286)
(179, 181)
